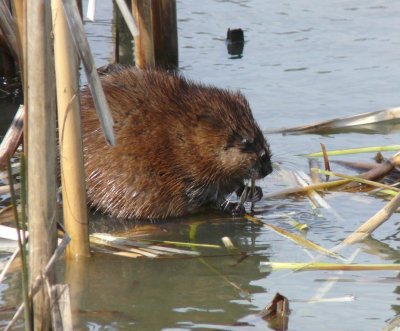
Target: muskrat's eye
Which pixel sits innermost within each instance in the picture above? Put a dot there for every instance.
(246, 146)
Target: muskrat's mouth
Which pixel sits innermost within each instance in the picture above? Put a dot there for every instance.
(259, 170)
(249, 192)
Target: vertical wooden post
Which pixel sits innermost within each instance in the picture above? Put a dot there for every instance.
(144, 46)
(70, 136)
(165, 33)
(41, 161)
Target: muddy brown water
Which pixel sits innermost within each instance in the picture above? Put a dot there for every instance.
(303, 61)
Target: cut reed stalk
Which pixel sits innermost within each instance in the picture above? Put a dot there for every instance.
(365, 230)
(13, 137)
(356, 179)
(306, 189)
(70, 135)
(38, 282)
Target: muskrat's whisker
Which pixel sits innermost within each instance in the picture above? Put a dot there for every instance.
(243, 196)
(226, 203)
(253, 192)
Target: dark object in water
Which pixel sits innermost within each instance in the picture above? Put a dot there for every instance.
(277, 313)
(235, 42)
(180, 145)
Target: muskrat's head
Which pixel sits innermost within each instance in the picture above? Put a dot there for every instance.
(229, 139)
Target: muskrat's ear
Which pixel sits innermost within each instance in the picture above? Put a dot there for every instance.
(209, 120)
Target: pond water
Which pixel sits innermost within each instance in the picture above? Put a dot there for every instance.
(303, 61)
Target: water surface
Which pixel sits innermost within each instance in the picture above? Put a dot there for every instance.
(303, 61)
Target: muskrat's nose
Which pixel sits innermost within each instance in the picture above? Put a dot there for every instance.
(266, 166)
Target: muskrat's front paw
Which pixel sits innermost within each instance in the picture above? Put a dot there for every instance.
(233, 208)
(251, 194)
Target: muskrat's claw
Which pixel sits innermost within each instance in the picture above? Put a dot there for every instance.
(233, 208)
(251, 194)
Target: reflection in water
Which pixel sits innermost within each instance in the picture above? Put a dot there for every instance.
(214, 289)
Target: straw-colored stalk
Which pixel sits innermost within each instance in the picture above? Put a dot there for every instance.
(306, 189)
(82, 45)
(41, 162)
(268, 266)
(70, 136)
(13, 137)
(8, 27)
(18, 13)
(374, 222)
(37, 283)
(356, 179)
(126, 14)
(303, 242)
(144, 42)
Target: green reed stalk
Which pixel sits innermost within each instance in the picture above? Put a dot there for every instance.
(357, 150)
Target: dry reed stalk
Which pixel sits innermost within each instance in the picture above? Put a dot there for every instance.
(357, 179)
(306, 189)
(374, 222)
(13, 137)
(8, 26)
(6, 188)
(38, 281)
(70, 136)
(61, 307)
(82, 45)
(42, 151)
(379, 171)
(18, 13)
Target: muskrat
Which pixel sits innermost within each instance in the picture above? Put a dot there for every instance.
(180, 145)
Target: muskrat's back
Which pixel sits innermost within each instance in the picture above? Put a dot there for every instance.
(179, 147)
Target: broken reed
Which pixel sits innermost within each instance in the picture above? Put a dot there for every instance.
(21, 230)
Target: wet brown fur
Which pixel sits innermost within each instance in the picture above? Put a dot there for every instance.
(180, 145)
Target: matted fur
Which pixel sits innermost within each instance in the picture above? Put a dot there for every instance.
(180, 145)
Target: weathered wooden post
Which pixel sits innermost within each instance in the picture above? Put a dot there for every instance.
(41, 161)
(144, 45)
(70, 137)
(157, 43)
(165, 34)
